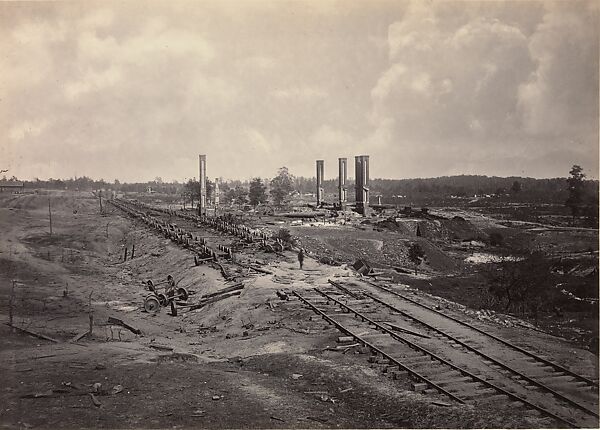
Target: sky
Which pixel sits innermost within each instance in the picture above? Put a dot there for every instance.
(137, 90)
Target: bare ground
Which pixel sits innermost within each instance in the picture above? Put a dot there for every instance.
(240, 363)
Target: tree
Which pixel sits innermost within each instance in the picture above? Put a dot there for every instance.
(522, 282)
(575, 186)
(258, 192)
(191, 191)
(516, 187)
(285, 236)
(496, 238)
(415, 254)
(240, 195)
(281, 186)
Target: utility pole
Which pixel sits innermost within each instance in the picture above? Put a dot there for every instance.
(100, 196)
(50, 216)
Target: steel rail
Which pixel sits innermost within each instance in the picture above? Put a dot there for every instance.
(442, 360)
(505, 342)
(378, 350)
(489, 358)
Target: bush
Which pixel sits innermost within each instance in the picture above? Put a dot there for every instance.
(284, 235)
(496, 239)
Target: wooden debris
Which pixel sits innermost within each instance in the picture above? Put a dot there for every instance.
(224, 272)
(161, 347)
(255, 268)
(223, 291)
(419, 386)
(95, 400)
(39, 394)
(375, 274)
(79, 336)
(214, 297)
(116, 321)
(282, 295)
(32, 333)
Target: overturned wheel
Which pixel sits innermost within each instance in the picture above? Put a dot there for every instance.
(182, 294)
(162, 299)
(151, 304)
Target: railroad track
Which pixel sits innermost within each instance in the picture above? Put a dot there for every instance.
(449, 363)
(193, 238)
(529, 354)
(226, 231)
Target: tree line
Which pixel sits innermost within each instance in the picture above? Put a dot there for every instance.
(579, 194)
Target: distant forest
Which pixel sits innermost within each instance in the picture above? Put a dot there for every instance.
(393, 191)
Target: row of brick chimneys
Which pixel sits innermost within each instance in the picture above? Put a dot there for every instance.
(361, 168)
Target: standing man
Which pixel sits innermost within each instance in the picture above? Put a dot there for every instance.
(301, 257)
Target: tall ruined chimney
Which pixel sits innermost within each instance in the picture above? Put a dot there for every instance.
(320, 175)
(362, 183)
(216, 193)
(343, 174)
(202, 181)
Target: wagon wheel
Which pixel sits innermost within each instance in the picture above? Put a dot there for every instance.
(183, 294)
(151, 304)
(162, 299)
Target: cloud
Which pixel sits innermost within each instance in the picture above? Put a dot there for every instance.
(477, 87)
(93, 81)
(300, 94)
(331, 140)
(257, 62)
(27, 128)
(561, 95)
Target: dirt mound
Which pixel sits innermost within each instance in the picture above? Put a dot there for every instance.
(436, 258)
(393, 225)
(461, 229)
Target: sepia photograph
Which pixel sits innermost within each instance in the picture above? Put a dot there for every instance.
(307, 214)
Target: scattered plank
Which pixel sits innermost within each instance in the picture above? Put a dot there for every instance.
(161, 347)
(375, 273)
(79, 336)
(33, 333)
(38, 395)
(255, 268)
(203, 302)
(224, 271)
(235, 287)
(95, 400)
(116, 321)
